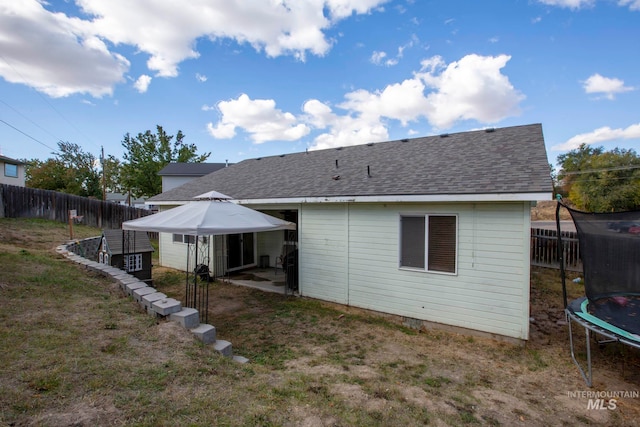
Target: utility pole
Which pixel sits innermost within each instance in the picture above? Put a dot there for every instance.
(104, 179)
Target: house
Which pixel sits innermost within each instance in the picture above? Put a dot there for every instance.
(175, 174)
(127, 200)
(434, 229)
(12, 171)
(127, 250)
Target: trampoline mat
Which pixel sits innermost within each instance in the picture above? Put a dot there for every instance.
(615, 313)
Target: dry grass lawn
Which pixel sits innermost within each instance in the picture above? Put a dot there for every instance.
(77, 352)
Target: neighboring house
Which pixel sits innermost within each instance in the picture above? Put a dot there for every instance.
(434, 229)
(12, 171)
(127, 250)
(127, 200)
(176, 174)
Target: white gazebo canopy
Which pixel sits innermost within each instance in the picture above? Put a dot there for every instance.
(212, 214)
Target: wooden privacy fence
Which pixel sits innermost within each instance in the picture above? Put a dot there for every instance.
(544, 249)
(22, 202)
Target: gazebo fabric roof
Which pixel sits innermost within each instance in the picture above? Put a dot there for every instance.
(207, 218)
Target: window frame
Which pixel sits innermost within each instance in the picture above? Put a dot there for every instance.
(426, 217)
(187, 238)
(137, 262)
(8, 174)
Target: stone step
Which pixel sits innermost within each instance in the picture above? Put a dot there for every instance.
(188, 318)
(224, 348)
(167, 306)
(205, 333)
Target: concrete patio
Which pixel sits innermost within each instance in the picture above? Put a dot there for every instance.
(266, 279)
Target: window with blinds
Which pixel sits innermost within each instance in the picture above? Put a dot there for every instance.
(429, 242)
(442, 243)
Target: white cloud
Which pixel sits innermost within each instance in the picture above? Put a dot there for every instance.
(599, 135)
(61, 55)
(55, 54)
(472, 88)
(169, 30)
(579, 4)
(259, 118)
(377, 57)
(201, 78)
(605, 85)
(569, 4)
(142, 84)
(633, 4)
(345, 130)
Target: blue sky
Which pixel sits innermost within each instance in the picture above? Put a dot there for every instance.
(249, 78)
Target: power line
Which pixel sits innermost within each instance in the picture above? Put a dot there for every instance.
(32, 122)
(46, 101)
(617, 168)
(27, 135)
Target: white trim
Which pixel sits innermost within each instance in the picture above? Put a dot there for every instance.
(505, 197)
(471, 197)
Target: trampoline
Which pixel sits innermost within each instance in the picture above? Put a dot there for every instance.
(610, 249)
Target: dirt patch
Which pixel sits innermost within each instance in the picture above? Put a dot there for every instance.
(76, 351)
(545, 210)
(81, 414)
(369, 364)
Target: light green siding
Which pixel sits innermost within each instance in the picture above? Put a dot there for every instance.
(172, 255)
(323, 256)
(349, 253)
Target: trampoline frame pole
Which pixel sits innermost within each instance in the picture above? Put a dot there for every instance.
(588, 379)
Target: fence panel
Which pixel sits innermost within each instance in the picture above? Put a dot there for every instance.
(544, 249)
(23, 202)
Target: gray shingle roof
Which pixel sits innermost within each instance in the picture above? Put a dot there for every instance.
(190, 169)
(503, 160)
(139, 241)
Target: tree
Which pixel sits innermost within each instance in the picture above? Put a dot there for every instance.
(601, 181)
(72, 171)
(146, 154)
(50, 174)
(112, 168)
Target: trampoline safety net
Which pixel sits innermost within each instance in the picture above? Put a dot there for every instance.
(610, 250)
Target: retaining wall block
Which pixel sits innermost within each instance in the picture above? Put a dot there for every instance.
(189, 318)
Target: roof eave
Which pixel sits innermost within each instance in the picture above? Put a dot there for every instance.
(425, 198)
(401, 198)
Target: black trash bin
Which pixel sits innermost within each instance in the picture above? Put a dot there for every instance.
(264, 261)
(290, 267)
